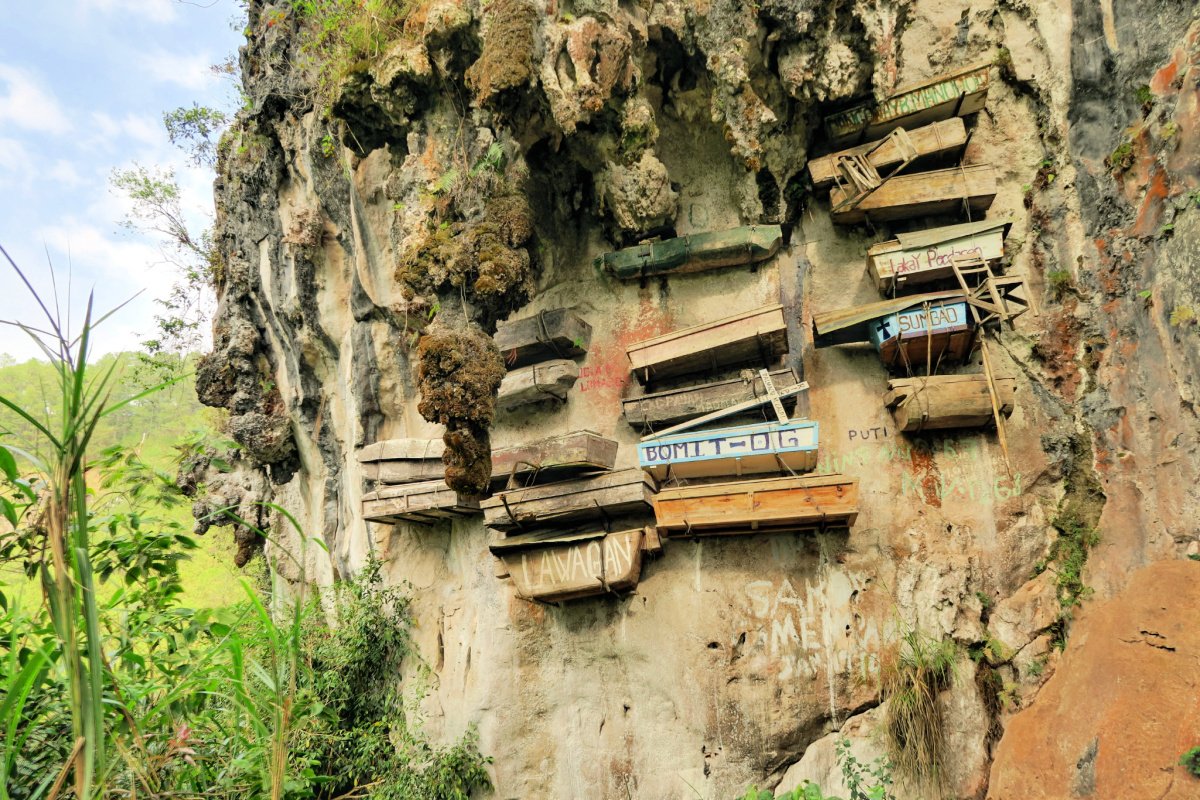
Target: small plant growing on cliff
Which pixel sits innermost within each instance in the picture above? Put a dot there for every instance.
(912, 673)
(1121, 158)
(1061, 282)
(1191, 761)
(1183, 315)
(327, 146)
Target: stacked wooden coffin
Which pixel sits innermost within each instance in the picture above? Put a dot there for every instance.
(695, 457)
(566, 524)
(540, 353)
(410, 483)
(696, 252)
(943, 285)
(875, 178)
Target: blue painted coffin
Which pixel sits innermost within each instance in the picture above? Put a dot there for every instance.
(944, 331)
(742, 450)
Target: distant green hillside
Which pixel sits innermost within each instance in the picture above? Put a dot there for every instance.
(153, 425)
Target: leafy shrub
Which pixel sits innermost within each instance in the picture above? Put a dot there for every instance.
(1191, 761)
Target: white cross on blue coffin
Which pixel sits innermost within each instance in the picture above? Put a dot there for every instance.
(745, 449)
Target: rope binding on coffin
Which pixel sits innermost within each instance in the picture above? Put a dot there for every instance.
(544, 337)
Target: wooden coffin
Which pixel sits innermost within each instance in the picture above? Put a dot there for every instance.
(558, 333)
(919, 194)
(757, 336)
(403, 460)
(741, 450)
(758, 506)
(582, 451)
(921, 257)
(623, 492)
(554, 566)
(666, 408)
(954, 94)
(932, 333)
(549, 380)
(931, 141)
(946, 401)
(694, 253)
(426, 502)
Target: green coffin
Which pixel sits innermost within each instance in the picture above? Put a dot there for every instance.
(694, 253)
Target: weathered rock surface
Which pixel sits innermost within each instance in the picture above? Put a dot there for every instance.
(474, 170)
(1122, 705)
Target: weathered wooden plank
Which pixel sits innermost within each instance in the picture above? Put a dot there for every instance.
(953, 94)
(557, 333)
(677, 405)
(402, 449)
(549, 380)
(694, 253)
(403, 460)
(605, 564)
(758, 506)
(739, 408)
(947, 401)
(930, 141)
(743, 450)
(416, 502)
(917, 258)
(906, 196)
(581, 451)
(610, 493)
(759, 335)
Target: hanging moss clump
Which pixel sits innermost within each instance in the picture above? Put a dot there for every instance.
(459, 372)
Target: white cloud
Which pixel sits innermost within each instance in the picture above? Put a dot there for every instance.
(153, 10)
(14, 157)
(64, 173)
(192, 72)
(119, 266)
(109, 131)
(25, 104)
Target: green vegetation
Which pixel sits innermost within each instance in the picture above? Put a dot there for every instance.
(1191, 760)
(912, 673)
(1068, 554)
(1061, 282)
(196, 131)
(1182, 315)
(1121, 158)
(339, 37)
(864, 781)
(111, 687)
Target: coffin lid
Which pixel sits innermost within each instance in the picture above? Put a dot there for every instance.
(924, 238)
(402, 450)
(848, 325)
(535, 539)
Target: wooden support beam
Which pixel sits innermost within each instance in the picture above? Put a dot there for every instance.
(677, 405)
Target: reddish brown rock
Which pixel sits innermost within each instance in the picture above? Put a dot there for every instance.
(1122, 706)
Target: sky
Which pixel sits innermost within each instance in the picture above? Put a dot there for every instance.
(83, 87)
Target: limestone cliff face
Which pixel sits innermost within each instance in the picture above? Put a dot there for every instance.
(375, 226)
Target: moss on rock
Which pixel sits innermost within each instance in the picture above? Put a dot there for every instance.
(459, 372)
(509, 44)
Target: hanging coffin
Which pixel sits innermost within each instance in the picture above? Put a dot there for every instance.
(901, 330)
(758, 336)
(937, 332)
(427, 502)
(967, 189)
(559, 333)
(677, 405)
(929, 142)
(549, 380)
(947, 401)
(758, 506)
(403, 460)
(920, 257)
(582, 451)
(694, 253)
(953, 94)
(627, 491)
(743, 450)
(565, 566)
